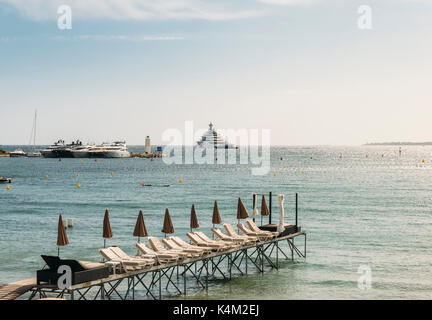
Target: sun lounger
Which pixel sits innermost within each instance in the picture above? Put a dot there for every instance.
(82, 271)
(261, 237)
(228, 238)
(124, 256)
(170, 244)
(231, 232)
(161, 257)
(126, 265)
(180, 242)
(200, 242)
(204, 237)
(158, 247)
(253, 227)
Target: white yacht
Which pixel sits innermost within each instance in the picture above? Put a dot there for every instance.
(82, 151)
(211, 139)
(55, 150)
(18, 153)
(117, 149)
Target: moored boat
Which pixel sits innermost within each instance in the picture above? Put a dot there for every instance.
(117, 149)
(17, 153)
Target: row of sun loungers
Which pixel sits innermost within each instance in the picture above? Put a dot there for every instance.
(174, 249)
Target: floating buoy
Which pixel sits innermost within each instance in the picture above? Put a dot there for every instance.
(81, 161)
(274, 174)
(281, 159)
(46, 176)
(77, 174)
(78, 185)
(302, 171)
(181, 180)
(8, 187)
(423, 160)
(216, 158)
(112, 173)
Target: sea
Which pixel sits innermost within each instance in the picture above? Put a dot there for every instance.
(367, 211)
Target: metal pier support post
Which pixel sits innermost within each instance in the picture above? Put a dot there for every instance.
(305, 245)
(184, 278)
(262, 258)
(246, 262)
(133, 287)
(160, 285)
(207, 273)
(102, 292)
(292, 249)
(230, 265)
(277, 254)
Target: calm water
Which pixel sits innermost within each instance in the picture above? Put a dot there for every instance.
(358, 210)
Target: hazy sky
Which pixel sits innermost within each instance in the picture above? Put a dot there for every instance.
(301, 68)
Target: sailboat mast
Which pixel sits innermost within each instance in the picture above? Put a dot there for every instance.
(34, 136)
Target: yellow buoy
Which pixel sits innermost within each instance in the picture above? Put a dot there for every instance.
(46, 176)
(81, 161)
(78, 185)
(302, 171)
(423, 160)
(274, 174)
(181, 180)
(112, 173)
(77, 174)
(8, 187)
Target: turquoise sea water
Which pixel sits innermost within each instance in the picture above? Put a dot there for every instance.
(357, 210)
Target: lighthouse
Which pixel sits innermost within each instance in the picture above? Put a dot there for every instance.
(147, 145)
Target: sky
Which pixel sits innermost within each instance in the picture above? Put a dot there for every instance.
(132, 68)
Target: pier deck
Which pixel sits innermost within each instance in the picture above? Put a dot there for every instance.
(14, 290)
(166, 277)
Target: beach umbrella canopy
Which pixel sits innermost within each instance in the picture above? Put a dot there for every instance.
(216, 219)
(62, 239)
(241, 210)
(281, 225)
(264, 209)
(193, 219)
(167, 226)
(140, 227)
(107, 232)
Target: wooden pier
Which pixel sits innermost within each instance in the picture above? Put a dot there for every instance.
(14, 290)
(174, 279)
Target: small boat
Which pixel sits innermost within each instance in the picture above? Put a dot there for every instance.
(5, 180)
(18, 153)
